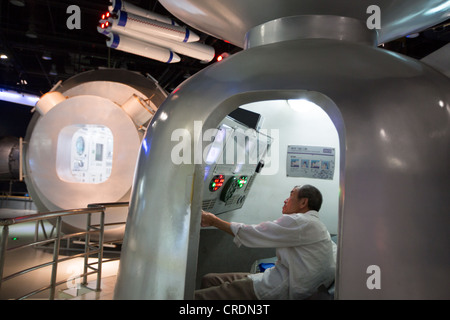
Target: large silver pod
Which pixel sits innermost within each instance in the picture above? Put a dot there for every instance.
(83, 140)
(391, 115)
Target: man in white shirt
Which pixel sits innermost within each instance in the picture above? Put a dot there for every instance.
(304, 250)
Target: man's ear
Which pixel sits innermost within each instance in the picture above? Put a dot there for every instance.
(303, 203)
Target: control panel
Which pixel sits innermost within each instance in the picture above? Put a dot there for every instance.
(91, 154)
(235, 157)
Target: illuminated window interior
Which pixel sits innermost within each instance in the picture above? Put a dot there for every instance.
(85, 153)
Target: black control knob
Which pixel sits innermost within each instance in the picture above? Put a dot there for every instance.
(229, 189)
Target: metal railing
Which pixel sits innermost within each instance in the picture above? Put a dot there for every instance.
(7, 199)
(99, 208)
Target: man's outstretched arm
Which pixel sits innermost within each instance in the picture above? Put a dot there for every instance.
(211, 220)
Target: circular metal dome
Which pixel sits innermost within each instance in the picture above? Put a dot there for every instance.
(231, 20)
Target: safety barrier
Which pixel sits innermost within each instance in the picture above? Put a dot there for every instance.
(57, 216)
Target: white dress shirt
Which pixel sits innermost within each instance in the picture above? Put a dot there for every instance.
(304, 250)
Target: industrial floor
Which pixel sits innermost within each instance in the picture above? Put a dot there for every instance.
(30, 256)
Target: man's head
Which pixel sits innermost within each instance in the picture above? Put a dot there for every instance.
(302, 199)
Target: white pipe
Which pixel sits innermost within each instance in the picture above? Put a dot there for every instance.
(194, 50)
(156, 28)
(138, 47)
(120, 5)
(48, 101)
(140, 110)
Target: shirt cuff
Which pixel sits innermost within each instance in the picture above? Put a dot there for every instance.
(235, 229)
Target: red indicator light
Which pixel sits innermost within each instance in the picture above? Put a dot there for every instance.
(216, 183)
(223, 56)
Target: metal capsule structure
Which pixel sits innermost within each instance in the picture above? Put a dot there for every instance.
(393, 181)
(82, 139)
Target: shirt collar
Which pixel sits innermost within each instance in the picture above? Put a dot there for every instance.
(312, 213)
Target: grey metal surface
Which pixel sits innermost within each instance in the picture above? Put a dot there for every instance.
(440, 60)
(310, 27)
(231, 20)
(392, 114)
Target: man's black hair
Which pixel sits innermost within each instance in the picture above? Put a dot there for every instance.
(312, 194)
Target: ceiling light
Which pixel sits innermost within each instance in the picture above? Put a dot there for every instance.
(31, 33)
(53, 71)
(302, 105)
(413, 35)
(3, 56)
(47, 56)
(19, 3)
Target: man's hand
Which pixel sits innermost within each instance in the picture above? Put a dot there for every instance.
(211, 220)
(207, 219)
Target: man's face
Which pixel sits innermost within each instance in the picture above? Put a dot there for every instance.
(292, 204)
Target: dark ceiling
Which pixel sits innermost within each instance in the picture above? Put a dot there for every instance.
(75, 51)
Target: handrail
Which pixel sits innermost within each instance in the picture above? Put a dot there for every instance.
(47, 215)
(109, 204)
(58, 215)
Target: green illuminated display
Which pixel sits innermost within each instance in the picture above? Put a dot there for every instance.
(242, 181)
